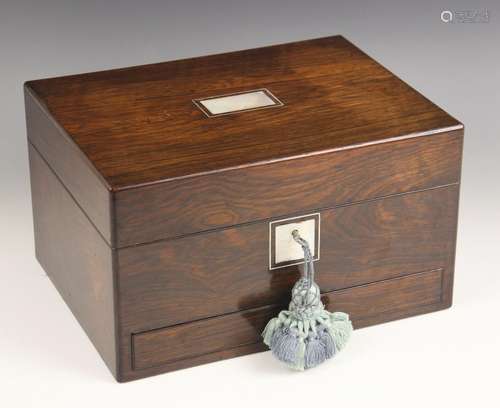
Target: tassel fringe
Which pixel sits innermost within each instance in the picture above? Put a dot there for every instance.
(305, 343)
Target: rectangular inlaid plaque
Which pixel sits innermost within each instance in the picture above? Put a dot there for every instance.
(238, 102)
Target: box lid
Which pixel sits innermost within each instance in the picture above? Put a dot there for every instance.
(146, 124)
(151, 152)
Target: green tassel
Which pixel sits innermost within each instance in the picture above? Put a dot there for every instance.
(268, 332)
(306, 334)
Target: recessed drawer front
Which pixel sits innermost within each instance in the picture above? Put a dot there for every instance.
(225, 271)
(190, 340)
(367, 304)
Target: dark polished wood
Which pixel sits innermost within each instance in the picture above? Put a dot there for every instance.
(297, 186)
(372, 303)
(127, 143)
(169, 283)
(76, 258)
(152, 220)
(139, 125)
(74, 170)
(204, 275)
(205, 336)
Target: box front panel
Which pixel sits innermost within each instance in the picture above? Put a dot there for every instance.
(223, 272)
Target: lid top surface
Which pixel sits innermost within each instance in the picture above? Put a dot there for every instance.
(144, 124)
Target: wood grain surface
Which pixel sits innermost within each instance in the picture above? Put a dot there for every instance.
(180, 207)
(76, 258)
(170, 283)
(205, 336)
(205, 275)
(139, 125)
(366, 304)
(152, 219)
(75, 171)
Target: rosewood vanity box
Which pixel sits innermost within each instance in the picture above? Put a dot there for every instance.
(164, 196)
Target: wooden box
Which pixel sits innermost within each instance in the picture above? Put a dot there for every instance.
(157, 191)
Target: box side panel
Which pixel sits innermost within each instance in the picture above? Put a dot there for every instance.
(239, 196)
(82, 181)
(75, 257)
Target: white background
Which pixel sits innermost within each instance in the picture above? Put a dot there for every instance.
(449, 358)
